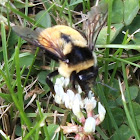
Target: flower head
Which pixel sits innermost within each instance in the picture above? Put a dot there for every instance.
(100, 117)
(70, 128)
(76, 107)
(90, 104)
(101, 111)
(62, 81)
(59, 89)
(76, 103)
(59, 96)
(68, 99)
(79, 89)
(90, 124)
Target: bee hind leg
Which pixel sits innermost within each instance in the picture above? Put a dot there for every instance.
(49, 82)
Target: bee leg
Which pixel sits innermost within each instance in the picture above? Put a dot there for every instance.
(49, 82)
(73, 78)
(84, 86)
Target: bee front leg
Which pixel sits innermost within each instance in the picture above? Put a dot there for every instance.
(49, 82)
(73, 78)
(84, 85)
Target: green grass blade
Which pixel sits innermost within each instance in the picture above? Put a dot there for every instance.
(41, 116)
(126, 61)
(30, 69)
(116, 46)
(16, 101)
(107, 41)
(130, 121)
(104, 100)
(6, 97)
(99, 130)
(23, 15)
(18, 75)
(26, 10)
(4, 47)
(69, 13)
(129, 97)
(34, 128)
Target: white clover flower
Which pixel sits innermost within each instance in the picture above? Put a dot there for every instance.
(76, 107)
(79, 99)
(59, 96)
(90, 124)
(66, 82)
(79, 89)
(101, 111)
(59, 90)
(60, 81)
(69, 98)
(90, 104)
(90, 94)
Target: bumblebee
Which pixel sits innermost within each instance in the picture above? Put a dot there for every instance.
(74, 52)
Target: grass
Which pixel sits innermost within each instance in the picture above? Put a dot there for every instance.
(118, 62)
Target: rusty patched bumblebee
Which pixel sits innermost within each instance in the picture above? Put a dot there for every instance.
(73, 51)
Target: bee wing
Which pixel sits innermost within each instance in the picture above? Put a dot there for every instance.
(96, 20)
(35, 38)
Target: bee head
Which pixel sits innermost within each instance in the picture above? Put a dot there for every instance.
(89, 75)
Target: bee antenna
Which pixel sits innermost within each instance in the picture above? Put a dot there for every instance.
(114, 89)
